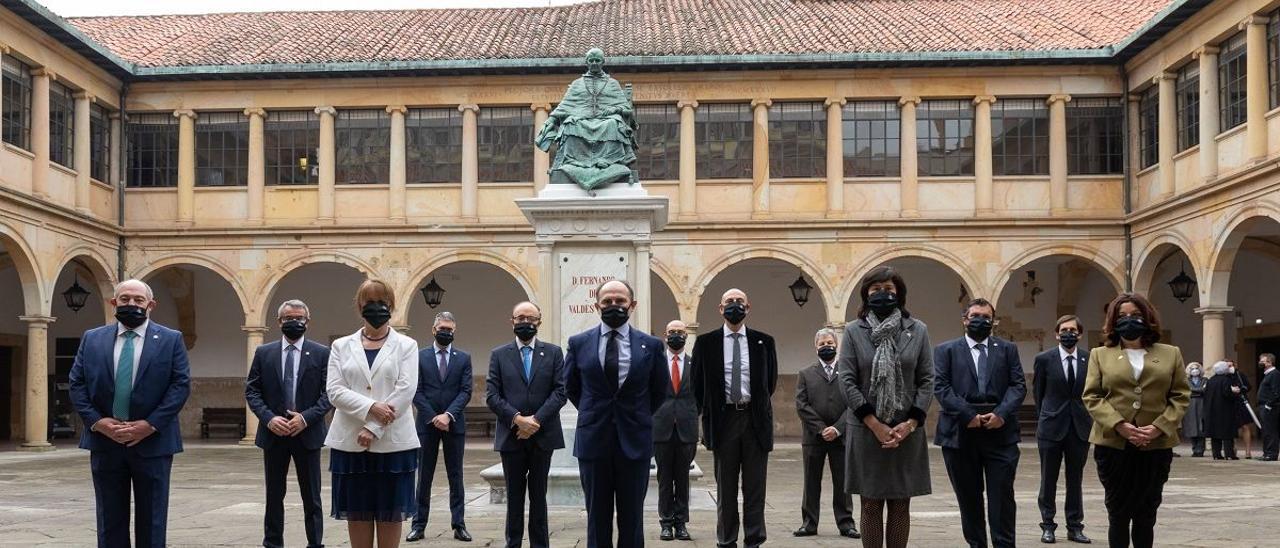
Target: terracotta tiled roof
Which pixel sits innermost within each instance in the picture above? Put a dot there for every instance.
(623, 28)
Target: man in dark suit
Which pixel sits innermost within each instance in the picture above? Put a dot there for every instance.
(1269, 404)
(979, 384)
(444, 388)
(525, 389)
(128, 383)
(616, 379)
(735, 371)
(824, 416)
(1062, 429)
(675, 438)
(286, 389)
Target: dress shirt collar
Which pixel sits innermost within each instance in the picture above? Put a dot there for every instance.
(284, 343)
(141, 330)
(624, 331)
(533, 343)
(729, 331)
(1063, 353)
(437, 349)
(972, 342)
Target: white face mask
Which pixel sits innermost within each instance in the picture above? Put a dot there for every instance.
(1231, 370)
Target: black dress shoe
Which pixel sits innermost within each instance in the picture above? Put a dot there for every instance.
(802, 532)
(1268, 459)
(460, 533)
(682, 533)
(1078, 536)
(667, 533)
(1047, 537)
(851, 532)
(415, 534)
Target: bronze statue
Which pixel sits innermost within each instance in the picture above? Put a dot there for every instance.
(594, 130)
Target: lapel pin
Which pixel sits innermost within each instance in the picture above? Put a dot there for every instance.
(642, 347)
(541, 354)
(155, 336)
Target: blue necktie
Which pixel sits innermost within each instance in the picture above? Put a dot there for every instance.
(982, 367)
(526, 354)
(124, 379)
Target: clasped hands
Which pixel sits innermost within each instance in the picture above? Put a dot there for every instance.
(382, 412)
(889, 437)
(990, 421)
(1139, 436)
(289, 427)
(526, 427)
(127, 433)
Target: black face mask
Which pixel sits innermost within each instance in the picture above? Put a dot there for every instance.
(525, 331)
(615, 316)
(1130, 328)
(882, 303)
(293, 329)
(131, 316)
(1069, 339)
(444, 338)
(734, 313)
(377, 313)
(676, 342)
(827, 353)
(979, 328)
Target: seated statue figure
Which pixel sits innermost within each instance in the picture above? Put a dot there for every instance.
(593, 128)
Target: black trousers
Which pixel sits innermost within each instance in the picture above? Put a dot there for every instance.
(526, 471)
(984, 463)
(1197, 446)
(116, 473)
(739, 455)
(673, 460)
(276, 462)
(814, 456)
(615, 484)
(1223, 447)
(1270, 431)
(1133, 483)
(1075, 452)
(428, 455)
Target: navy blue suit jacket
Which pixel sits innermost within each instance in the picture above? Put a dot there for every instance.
(507, 393)
(1059, 407)
(624, 413)
(436, 396)
(955, 383)
(160, 388)
(264, 391)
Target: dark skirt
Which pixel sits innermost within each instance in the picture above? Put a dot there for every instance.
(374, 486)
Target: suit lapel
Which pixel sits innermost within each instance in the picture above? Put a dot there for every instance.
(358, 347)
(755, 349)
(149, 350)
(965, 354)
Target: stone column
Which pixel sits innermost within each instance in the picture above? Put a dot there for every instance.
(327, 158)
(186, 166)
(1208, 56)
(984, 192)
(1058, 153)
(117, 138)
(546, 289)
(687, 208)
(835, 157)
(398, 189)
(1168, 133)
(253, 336)
(644, 312)
(80, 151)
(1256, 81)
(541, 159)
(1134, 100)
(36, 418)
(40, 78)
(760, 159)
(257, 172)
(470, 164)
(1214, 325)
(4, 50)
(909, 187)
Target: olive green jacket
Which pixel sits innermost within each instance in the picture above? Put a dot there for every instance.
(1159, 396)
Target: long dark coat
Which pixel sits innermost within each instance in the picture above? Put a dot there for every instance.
(1220, 407)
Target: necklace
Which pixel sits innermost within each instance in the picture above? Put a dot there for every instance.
(594, 89)
(368, 338)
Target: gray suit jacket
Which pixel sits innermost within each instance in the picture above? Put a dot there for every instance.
(820, 403)
(677, 419)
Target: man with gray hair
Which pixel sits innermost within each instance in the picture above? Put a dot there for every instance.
(444, 388)
(129, 381)
(824, 416)
(286, 389)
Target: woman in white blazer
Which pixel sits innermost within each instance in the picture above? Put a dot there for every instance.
(373, 375)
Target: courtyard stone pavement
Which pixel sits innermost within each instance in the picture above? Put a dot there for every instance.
(46, 499)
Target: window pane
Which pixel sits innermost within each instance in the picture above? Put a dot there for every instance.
(1231, 82)
(433, 137)
(362, 143)
(1188, 98)
(797, 140)
(944, 137)
(152, 150)
(99, 143)
(1094, 138)
(291, 139)
(62, 110)
(1148, 126)
(1020, 137)
(505, 137)
(15, 115)
(658, 142)
(724, 141)
(222, 149)
(872, 145)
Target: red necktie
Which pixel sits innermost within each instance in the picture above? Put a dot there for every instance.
(675, 374)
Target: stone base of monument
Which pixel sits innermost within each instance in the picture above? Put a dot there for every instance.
(564, 485)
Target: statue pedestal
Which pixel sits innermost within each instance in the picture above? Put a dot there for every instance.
(584, 239)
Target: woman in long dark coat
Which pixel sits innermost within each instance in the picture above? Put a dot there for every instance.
(1193, 421)
(1220, 420)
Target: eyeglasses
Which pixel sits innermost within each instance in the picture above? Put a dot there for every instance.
(140, 300)
(301, 319)
(526, 319)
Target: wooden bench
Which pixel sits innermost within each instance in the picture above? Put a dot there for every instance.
(481, 422)
(221, 417)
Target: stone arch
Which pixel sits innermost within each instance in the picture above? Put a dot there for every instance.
(939, 255)
(727, 260)
(1111, 269)
(201, 260)
(1226, 247)
(268, 288)
(103, 275)
(419, 276)
(1146, 263)
(664, 273)
(29, 273)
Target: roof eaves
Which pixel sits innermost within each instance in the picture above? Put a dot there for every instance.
(42, 18)
(1156, 27)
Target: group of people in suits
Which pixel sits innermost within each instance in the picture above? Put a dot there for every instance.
(862, 403)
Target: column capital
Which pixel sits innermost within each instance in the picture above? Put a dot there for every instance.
(1205, 50)
(1135, 97)
(44, 71)
(85, 95)
(834, 101)
(471, 107)
(1155, 80)
(38, 319)
(392, 109)
(327, 110)
(188, 113)
(1252, 20)
(1059, 97)
(254, 329)
(117, 116)
(545, 247)
(758, 102)
(4, 49)
(1214, 310)
(540, 106)
(988, 99)
(913, 99)
(686, 103)
(255, 111)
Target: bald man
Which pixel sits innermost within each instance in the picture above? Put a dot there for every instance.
(735, 371)
(675, 437)
(129, 380)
